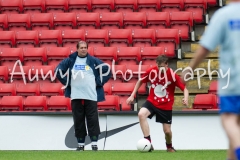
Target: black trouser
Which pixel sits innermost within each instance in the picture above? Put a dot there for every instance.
(81, 109)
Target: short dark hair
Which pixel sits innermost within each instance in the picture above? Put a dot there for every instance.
(81, 42)
(162, 59)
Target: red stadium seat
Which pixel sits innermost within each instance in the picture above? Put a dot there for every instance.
(123, 90)
(64, 21)
(213, 88)
(205, 101)
(149, 55)
(28, 89)
(12, 6)
(88, 20)
(71, 37)
(3, 22)
(26, 39)
(3, 73)
(9, 56)
(142, 90)
(111, 103)
(56, 6)
(41, 21)
(157, 20)
(212, 3)
(50, 38)
(198, 7)
(96, 38)
(43, 73)
(125, 5)
(148, 5)
(33, 6)
(135, 71)
(120, 37)
(168, 39)
(118, 73)
(77, 6)
(11, 103)
(90, 50)
(113, 20)
(102, 6)
(7, 39)
(183, 21)
(7, 89)
(128, 55)
(51, 89)
(20, 74)
(59, 103)
(57, 54)
(134, 20)
(106, 54)
(171, 5)
(143, 37)
(107, 88)
(19, 22)
(35, 103)
(34, 56)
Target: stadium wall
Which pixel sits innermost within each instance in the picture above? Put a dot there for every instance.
(43, 131)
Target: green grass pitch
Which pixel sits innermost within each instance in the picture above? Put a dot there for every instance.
(114, 155)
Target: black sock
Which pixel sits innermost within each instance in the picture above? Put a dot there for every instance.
(94, 140)
(148, 138)
(168, 145)
(81, 141)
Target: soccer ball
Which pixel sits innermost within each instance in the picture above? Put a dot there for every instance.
(143, 145)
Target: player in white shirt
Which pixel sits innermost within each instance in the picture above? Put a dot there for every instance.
(224, 30)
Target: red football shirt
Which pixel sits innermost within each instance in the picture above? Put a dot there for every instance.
(162, 87)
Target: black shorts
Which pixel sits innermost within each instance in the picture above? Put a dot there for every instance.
(162, 116)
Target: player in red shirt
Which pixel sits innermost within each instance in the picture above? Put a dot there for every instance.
(161, 98)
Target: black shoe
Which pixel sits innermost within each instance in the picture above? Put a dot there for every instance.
(80, 148)
(94, 147)
(151, 149)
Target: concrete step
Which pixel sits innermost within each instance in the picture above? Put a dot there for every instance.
(198, 37)
(178, 102)
(195, 46)
(227, 2)
(213, 65)
(189, 55)
(193, 90)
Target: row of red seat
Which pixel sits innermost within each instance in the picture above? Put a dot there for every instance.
(113, 20)
(26, 6)
(60, 103)
(31, 89)
(53, 55)
(165, 38)
(116, 95)
(34, 103)
(54, 103)
(57, 89)
(122, 90)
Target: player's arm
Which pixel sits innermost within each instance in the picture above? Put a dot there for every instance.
(183, 87)
(144, 79)
(186, 95)
(137, 86)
